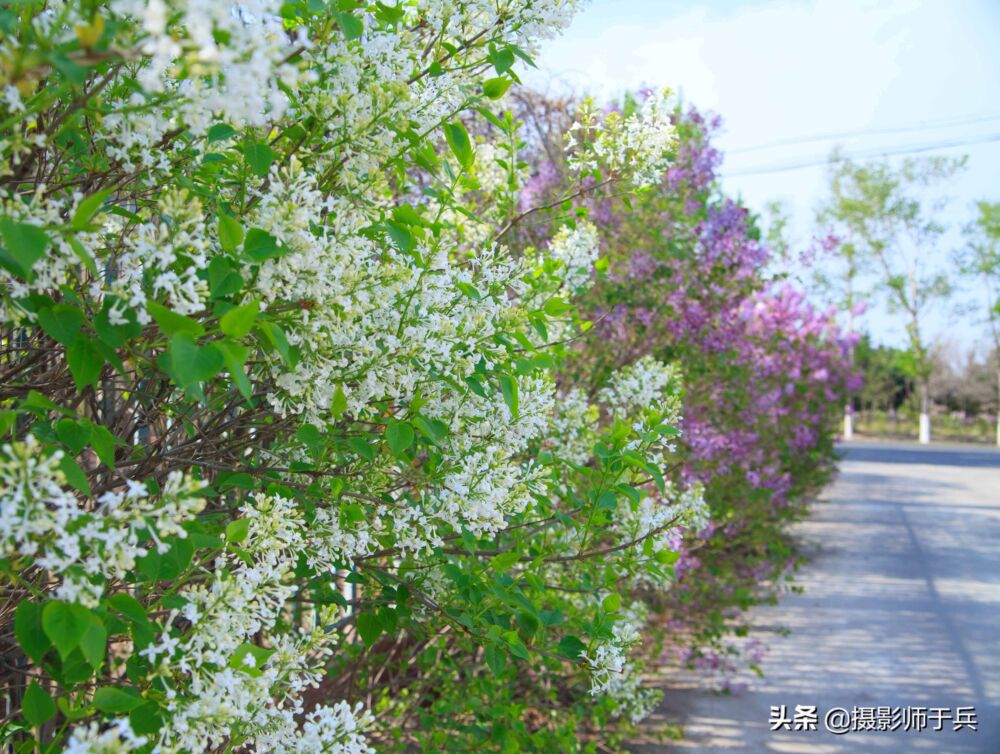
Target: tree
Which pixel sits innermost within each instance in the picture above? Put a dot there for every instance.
(886, 387)
(980, 259)
(838, 280)
(889, 221)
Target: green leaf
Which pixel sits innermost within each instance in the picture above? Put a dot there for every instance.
(362, 448)
(220, 132)
(116, 335)
(571, 647)
(667, 557)
(176, 560)
(39, 404)
(86, 209)
(350, 25)
(423, 154)
(607, 501)
(173, 323)
(496, 88)
(502, 60)
(85, 363)
(230, 232)
(73, 713)
(469, 290)
(29, 632)
(223, 280)
(252, 667)
(110, 355)
(496, 658)
(238, 530)
(23, 246)
(469, 540)
(389, 619)
(407, 215)
(523, 55)
(116, 699)
(74, 670)
(461, 145)
(400, 436)
(128, 606)
(338, 406)
(504, 561)
(493, 119)
(103, 443)
(37, 706)
(75, 476)
(235, 356)
(353, 512)
(73, 434)
(508, 386)
(61, 322)
(227, 481)
(201, 540)
(238, 321)
(276, 336)
(70, 69)
(369, 627)
(400, 235)
(388, 14)
(65, 624)
(612, 602)
(556, 307)
(432, 429)
(260, 245)
(94, 642)
(667, 431)
(148, 566)
(193, 364)
(259, 157)
(146, 719)
(550, 617)
(517, 647)
(528, 623)
(476, 386)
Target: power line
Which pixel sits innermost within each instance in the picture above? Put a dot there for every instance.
(863, 155)
(960, 120)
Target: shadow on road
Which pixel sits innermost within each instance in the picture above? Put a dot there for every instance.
(938, 455)
(900, 609)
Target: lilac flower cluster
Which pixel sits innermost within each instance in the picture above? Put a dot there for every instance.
(764, 370)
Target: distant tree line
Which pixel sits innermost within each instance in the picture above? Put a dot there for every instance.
(883, 239)
(957, 386)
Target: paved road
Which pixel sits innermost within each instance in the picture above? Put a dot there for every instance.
(901, 608)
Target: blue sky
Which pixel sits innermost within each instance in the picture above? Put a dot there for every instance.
(881, 76)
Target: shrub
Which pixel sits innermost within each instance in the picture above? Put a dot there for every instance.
(687, 283)
(287, 468)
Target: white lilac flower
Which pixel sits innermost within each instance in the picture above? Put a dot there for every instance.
(638, 146)
(41, 519)
(118, 738)
(647, 383)
(577, 249)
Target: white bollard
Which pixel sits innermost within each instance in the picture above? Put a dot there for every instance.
(925, 429)
(849, 428)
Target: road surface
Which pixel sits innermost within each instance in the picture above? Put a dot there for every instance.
(901, 609)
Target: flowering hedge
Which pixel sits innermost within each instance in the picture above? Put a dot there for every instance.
(763, 370)
(291, 459)
(287, 468)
